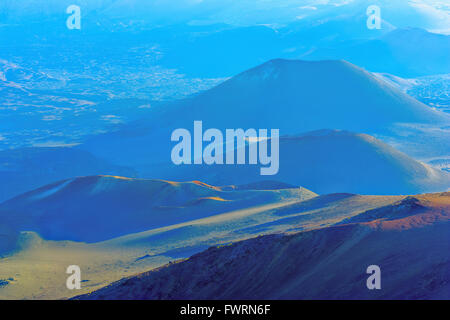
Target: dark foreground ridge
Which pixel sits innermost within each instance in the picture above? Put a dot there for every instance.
(409, 240)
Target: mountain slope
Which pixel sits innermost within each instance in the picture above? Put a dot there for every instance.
(296, 95)
(25, 169)
(332, 24)
(328, 263)
(98, 208)
(408, 52)
(280, 210)
(306, 95)
(290, 95)
(328, 161)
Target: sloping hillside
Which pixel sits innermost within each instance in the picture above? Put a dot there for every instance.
(329, 161)
(291, 95)
(407, 52)
(410, 247)
(98, 208)
(26, 169)
(256, 211)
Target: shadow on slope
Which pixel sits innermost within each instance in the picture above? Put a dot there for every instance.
(328, 263)
(329, 161)
(25, 169)
(98, 208)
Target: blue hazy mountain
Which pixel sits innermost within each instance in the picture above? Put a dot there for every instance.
(326, 263)
(349, 19)
(290, 95)
(300, 95)
(25, 169)
(426, 13)
(410, 52)
(328, 161)
(407, 52)
(112, 87)
(193, 36)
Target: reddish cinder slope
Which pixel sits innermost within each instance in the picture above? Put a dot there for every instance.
(412, 212)
(409, 240)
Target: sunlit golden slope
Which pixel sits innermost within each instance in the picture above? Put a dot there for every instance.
(98, 208)
(37, 266)
(409, 240)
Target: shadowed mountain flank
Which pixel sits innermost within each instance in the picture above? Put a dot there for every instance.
(291, 95)
(330, 161)
(28, 168)
(98, 208)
